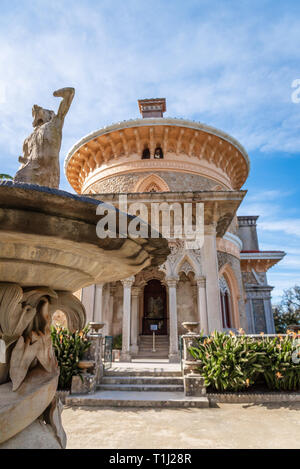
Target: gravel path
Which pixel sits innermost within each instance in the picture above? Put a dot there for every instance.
(226, 426)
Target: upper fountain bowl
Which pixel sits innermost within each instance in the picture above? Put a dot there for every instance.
(48, 237)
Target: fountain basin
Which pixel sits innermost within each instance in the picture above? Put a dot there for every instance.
(48, 249)
(48, 237)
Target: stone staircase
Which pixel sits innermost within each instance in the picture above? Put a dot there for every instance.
(147, 381)
(137, 387)
(161, 346)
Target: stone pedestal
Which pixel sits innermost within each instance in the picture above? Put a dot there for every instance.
(194, 385)
(84, 384)
(193, 381)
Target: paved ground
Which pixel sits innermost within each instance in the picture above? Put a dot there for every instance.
(227, 426)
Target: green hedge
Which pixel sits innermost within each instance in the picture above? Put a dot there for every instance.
(69, 349)
(236, 362)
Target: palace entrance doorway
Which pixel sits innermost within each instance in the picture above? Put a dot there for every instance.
(155, 308)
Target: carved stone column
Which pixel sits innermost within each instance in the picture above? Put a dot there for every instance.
(88, 301)
(127, 284)
(98, 303)
(212, 279)
(173, 328)
(135, 292)
(201, 304)
(110, 313)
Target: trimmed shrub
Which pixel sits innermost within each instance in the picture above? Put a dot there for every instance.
(69, 349)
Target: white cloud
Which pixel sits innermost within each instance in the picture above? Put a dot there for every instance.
(232, 74)
(287, 226)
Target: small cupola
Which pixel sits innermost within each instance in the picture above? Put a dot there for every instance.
(154, 107)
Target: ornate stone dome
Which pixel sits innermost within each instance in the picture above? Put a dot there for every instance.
(153, 154)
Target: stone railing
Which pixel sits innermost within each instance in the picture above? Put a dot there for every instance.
(193, 381)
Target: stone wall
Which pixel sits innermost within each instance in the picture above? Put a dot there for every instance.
(176, 181)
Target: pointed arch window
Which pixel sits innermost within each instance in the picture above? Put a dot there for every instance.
(225, 298)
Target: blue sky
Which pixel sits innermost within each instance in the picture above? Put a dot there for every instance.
(229, 64)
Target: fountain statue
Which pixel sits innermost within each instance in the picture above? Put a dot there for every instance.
(48, 250)
(40, 160)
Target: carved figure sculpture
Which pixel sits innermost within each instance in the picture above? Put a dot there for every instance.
(40, 160)
(28, 366)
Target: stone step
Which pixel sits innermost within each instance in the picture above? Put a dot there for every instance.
(157, 350)
(157, 336)
(136, 399)
(149, 350)
(141, 387)
(150, 342)
(153, 355)
(157, 347)
(142, 380)
(143, 373)
(150, 346)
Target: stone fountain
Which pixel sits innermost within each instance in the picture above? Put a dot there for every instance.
(48, 250)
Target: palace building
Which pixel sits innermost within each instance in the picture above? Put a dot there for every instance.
(223, 284)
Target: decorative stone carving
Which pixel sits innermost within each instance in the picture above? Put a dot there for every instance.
(25, 320)
(216, 157)
(151, 183)
(186, 268)
(222, 259)
(41, 243)
(223, 285)
(40, 160)
(52, 416)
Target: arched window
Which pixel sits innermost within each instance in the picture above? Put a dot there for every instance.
(146, 154)
(225, 303)
(151, 183)
(158, 153)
